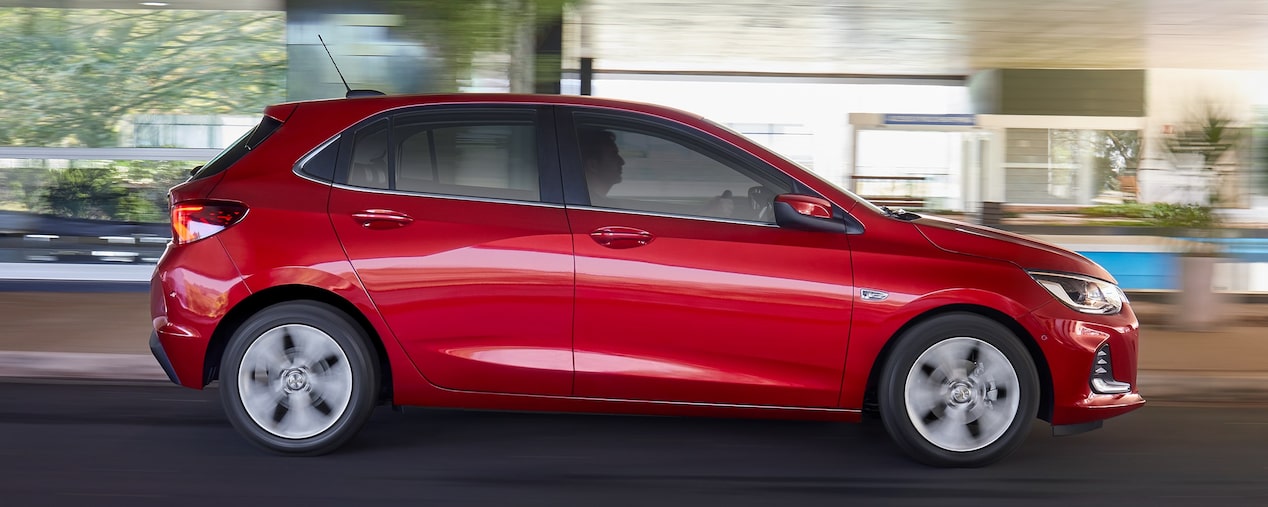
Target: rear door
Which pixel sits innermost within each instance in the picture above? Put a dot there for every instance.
(452, 218)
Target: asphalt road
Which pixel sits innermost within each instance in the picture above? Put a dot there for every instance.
(156, 444)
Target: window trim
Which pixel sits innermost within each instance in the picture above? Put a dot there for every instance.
(302, 163)
(577, 194)
(348, 141)
(542, 119)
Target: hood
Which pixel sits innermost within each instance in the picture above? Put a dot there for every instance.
(1028, 253)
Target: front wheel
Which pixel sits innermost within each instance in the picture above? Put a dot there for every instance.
(298, 378)
(958, 390)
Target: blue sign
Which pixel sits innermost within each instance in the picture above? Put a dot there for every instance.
(956, 120)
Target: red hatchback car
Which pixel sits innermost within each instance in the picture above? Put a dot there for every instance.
(565, 253)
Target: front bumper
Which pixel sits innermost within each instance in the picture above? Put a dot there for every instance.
(1070, 342)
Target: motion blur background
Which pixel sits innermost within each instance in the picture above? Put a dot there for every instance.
(1135, 132)
(1132, 131)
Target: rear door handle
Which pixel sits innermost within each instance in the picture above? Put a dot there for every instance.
(621, 237)
(382, 219)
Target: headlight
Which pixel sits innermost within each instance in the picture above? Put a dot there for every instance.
(1085, 294)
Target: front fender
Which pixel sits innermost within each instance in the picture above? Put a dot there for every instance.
(876, 325)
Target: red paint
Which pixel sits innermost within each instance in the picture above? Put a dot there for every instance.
(807, 205)
(497, 304)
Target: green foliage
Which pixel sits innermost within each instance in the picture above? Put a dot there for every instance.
(1112, 153)
(136, 208)
(134, 191)
(1183, 215)
(1209, 135)
(84, 192)
(21, 188)
(1158, 214)
(70, 75)
(1260, 136)
(460, 32)
(1126, 210)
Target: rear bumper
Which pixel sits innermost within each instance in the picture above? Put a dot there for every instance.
(192, 290)
(156, 348)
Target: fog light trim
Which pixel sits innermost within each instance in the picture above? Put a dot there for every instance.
(1102, 378)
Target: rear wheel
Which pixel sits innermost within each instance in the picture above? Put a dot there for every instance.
(958, 390)
(298, 378)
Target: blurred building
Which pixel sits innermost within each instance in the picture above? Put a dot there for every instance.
(925, 103)
(1064, 103)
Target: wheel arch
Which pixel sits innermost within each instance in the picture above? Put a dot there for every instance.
(284, 293)
(870, 405)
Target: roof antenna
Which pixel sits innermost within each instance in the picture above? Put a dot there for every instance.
(351, 93)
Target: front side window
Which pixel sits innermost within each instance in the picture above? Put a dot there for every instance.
(642, 168)
(478, 154)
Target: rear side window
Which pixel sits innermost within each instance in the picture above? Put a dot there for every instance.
(490, 154)
(249, 141)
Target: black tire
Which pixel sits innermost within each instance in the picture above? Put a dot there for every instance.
(958, 390)
(299, 378)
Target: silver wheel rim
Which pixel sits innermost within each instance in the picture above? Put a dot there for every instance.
(962, 394)
(295, 381)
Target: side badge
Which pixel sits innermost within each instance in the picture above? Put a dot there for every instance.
(873, 295)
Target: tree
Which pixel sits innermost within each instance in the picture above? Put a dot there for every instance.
(1206, 138)
(70, 75)
(461, 32)
(22, 188)
(85, 192)
(1117, 154)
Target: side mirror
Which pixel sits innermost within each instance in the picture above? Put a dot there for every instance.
(807, 213)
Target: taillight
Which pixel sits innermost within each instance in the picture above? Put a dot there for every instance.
(192, 221)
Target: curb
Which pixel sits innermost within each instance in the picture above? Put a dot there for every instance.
(80, 365)
(1203, 386)
(1155, 385)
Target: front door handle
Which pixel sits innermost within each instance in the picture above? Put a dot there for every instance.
(382, 219)
(621, 237)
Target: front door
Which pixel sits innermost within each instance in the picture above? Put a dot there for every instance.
(686, 289)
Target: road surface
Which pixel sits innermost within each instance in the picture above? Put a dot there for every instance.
(150, 443)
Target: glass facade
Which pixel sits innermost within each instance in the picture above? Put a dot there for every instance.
(1070, 167)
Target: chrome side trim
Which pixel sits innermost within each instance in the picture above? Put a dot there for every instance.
(297, 172)
(673, 215)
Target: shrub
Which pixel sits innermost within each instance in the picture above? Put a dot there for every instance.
(1159, 214)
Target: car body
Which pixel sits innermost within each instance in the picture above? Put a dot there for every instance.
(469, 250)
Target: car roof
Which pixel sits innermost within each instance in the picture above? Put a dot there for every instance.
(368, 106)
